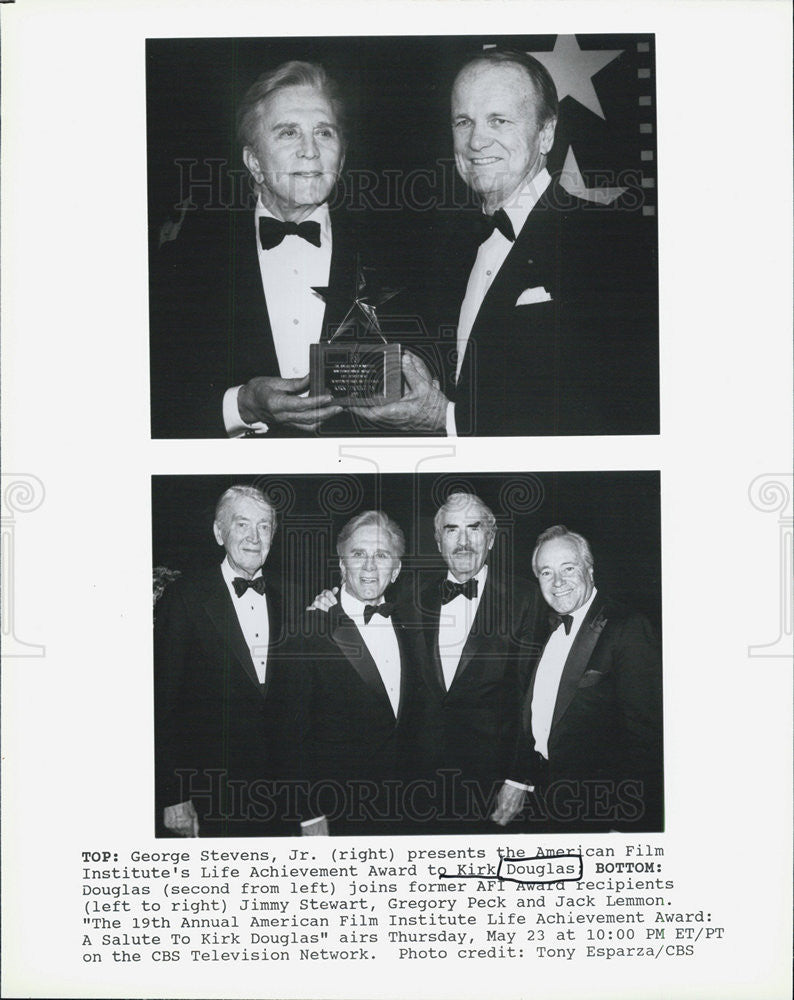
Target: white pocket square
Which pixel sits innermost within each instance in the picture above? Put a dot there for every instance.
(532, 295)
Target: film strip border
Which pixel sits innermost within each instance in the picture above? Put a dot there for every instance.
(645, 80)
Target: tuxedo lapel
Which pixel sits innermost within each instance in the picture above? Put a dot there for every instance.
(405, 679)
(342, 275)
(479, 628)
(579, 657)
(349, 640)
(251, 340)
(527, 265)
(275, 622)
(430, 629)
(220, 609)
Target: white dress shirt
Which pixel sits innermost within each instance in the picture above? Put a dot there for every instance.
(490, 257)
(289, 271)
(251, 610)
(454, 626)
(547, 679)
(381, 641)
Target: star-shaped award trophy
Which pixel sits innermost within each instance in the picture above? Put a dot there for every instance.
(356, 365)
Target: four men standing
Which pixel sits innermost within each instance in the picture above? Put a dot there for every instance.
(385, 716)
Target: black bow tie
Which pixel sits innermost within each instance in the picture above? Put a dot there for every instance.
(499, 220)
(556, 620)
(450, 590)
(240, 585)
(384, 609)
(272, 231)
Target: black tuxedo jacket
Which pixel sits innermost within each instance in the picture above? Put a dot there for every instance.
(473, 727)
(212, 731)
(210, 328)
(339, 736)
(605, 743)
(583, 362)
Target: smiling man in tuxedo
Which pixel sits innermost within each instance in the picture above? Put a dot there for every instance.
(554, 306)
(240, 295)
(346, 693)
(214, 643)
(593, 746)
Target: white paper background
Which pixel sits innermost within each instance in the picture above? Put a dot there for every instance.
(77, 730)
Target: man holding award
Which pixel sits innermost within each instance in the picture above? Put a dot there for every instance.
(243, 296)
(554, 309)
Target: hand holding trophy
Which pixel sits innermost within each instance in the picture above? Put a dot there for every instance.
(356, 365)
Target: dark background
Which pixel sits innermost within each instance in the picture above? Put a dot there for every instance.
(397, 91)
(618, 513)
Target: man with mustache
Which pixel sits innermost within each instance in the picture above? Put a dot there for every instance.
(593, 747)
(215, 641)
(480, 635)
(239, 296)
(553, 299)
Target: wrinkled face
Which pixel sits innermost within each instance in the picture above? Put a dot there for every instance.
(464, 540)
(368, 563)
(297, 153)
(498, 138)
(246, 532)
(565, 581)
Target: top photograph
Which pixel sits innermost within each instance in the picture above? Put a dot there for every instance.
(403, 236)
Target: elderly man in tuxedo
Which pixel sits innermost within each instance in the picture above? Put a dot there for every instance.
(593, 745)
(480, 634)
(215, 639)
(553, 301)
(347, 693)
(239, 296)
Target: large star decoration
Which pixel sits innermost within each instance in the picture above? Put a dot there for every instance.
(572, 181)
(572, 70)
(368, 295)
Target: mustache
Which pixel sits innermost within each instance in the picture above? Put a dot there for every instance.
(462, 548)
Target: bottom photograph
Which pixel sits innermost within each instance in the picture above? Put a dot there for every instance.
(407, 654)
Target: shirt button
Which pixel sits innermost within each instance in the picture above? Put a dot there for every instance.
(296, 321)
(294, 270)
(489, 273)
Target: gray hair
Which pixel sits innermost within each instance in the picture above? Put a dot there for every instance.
(378, 519)
(288, 74)
(457, 501)
(236, 492)
(560, 531)
(539, 76)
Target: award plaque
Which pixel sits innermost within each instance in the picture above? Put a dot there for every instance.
(356, 372)
(357, 366)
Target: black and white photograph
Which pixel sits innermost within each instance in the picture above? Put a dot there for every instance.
(475, 681)
(407, 654)
(431, 235)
